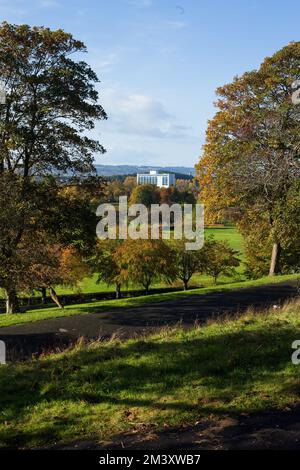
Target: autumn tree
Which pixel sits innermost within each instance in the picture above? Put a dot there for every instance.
(187, 262)
(51, 103)
(129, 184)
(18, 249)
(251, 156)
(219, 259)
(165, 196)
(182, 196)
(144, 262)
(146, 194)
(104, 263)
(48, 266)
(258, 242)
(113, 190)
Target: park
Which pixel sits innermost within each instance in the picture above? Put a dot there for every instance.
(147, 307)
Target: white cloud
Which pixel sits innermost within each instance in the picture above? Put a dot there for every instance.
(140, 115)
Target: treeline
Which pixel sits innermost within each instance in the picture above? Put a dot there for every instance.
(144, 262)
(122, 177)
(185, 190)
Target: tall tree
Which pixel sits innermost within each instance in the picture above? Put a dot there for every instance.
(51, 105)
(251, 156)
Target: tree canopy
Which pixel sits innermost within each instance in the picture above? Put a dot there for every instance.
(51, 105)
(251, 155)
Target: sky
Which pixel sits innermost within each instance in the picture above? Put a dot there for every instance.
(160, 62)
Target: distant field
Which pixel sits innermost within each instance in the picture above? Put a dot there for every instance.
(89, 285)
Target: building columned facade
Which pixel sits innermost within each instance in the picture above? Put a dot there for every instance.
(162, 180)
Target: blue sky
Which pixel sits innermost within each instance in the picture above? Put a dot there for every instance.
(160, 61)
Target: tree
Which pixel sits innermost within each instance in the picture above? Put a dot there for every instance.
(71, 219)
(146, 194)
(54, 265)
(258, 242)
(251, 156)
(105, 264)
(113, 190)
(165, 196)
(182, 196)
(288, 229)
(129, 184)
(144, 262)
(187, 262)
(49, 218)
(17, 249)
(36, 265)
(219, 258)
(51, 102)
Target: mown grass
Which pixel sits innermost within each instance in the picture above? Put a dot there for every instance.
(175, 377)
(106, 305)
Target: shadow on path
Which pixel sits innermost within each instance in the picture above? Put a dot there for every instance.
(34, 338)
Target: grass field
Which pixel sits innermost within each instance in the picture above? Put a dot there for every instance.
(104, 305)
(176, 377)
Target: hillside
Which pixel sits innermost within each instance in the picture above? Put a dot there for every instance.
(226, 370)
(111, 170)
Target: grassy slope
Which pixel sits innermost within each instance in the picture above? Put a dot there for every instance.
(238, 366)
(105, 305)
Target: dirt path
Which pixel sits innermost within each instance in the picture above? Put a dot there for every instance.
(33, 338)
(270, 430)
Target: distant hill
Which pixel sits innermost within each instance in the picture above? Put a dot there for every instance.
(111, 170)
(178, 176)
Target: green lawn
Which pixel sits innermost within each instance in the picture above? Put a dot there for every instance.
(176, 377)
(104, 305)
(230, 234)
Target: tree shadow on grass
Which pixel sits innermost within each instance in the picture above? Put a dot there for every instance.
(191, 375)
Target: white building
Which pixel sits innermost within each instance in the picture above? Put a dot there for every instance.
(162, 180)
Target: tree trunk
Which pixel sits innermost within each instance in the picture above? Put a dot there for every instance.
(55, 298)
(44, 295)
(274, 259)
(118, 291)
(185, 284)
(12, 301)
(147, 289)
